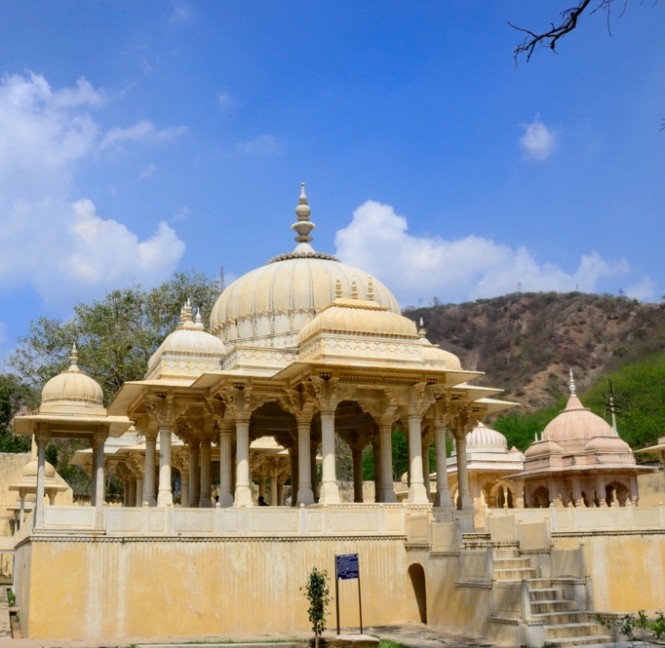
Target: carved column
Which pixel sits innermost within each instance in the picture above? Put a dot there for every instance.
(424, 453)
(98, 440)
(42, 437)
(204, 498)
(465, 503)
(194, 490)
(161, 409)
(357, 454)
(442, 499)
(149, 465)
(305, 492)
(417, 492)
(386, 460)
(225, 465)
(325, 391)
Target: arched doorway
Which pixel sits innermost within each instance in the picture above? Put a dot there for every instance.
(417, 577)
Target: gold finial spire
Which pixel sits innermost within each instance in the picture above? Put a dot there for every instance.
(303, 226)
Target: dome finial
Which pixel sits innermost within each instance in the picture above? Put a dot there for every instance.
(185, 315)
(303, 226)
(422, 331)
(198, 322)
(571, 382)
(74, 358)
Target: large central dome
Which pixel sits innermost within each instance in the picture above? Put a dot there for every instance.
(268, 306)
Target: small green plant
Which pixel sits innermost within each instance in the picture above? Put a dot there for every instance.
(619, 625)
(658, 625)
(318, 595)
(11, 598)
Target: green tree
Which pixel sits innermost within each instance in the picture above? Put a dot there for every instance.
(115, 336)
(318, 595)
(13, 396)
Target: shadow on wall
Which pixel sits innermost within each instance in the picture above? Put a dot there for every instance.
(417, 577)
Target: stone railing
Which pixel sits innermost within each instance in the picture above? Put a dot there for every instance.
(316, 520)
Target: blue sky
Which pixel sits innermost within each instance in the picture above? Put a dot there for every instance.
(142, 138)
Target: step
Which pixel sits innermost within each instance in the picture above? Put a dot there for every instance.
(524, 573)
(556, 618)
(571, 630)
(553, 605)
(545, 594)
(589, 640)
(512, 563)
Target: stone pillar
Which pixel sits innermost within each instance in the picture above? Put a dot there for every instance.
(314, 477)
(442, 499)
(225, 467)
(164, 492)
(204, 498)
(577, 493)
(184, 484)
(376, 453)
(293, 457)
(38, 516)
(149, 467)
(243, 494)
(386, 462)
(305, 492)
(329, 488)
(139, 492)
(600, 491)
(634, 498)
(98, 441)
(194, 491)
(274, 495)
(424, 453)
(465, 503)
(417, 492)
(131, 488)
(357, 454)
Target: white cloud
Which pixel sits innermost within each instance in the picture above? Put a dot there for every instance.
(139, 131)
(148, 171)
(181, 214)
(418, 268)
(644, 290)
(51, 240)
(538, 141)
(181, 13)
(225, 100)
(261, 145)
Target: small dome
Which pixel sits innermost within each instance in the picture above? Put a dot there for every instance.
(434, 356)
(30, 472)
(358, 317)
(72, 391)
(609, 445)
(543, 448)
(576, 425)
(483, 438)
(269, 305)
(186, 352)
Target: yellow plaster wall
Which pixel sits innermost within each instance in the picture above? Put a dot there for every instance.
(627, 569)
(168, 588)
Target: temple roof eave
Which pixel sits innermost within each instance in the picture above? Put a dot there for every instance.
(73, 425)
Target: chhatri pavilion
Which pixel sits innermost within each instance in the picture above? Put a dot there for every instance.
(302, 354)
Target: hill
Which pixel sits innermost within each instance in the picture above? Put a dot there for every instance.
(526, 343)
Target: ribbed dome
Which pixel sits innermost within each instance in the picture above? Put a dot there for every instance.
(576, 425)
(269, 305)
(73, 392)
(358, 317)
(487, 439)
(189, 339)
(435, 357)
(542, 448)
(609, 445)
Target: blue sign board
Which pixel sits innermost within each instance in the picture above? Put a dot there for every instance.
(346, 566)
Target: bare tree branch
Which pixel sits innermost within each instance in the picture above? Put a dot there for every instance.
(550, 38)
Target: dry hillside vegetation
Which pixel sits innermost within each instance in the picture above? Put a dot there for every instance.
(526, 342)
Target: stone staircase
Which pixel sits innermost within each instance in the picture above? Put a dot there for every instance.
(550, 611)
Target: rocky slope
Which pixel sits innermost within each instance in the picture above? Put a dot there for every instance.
(526, 342)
